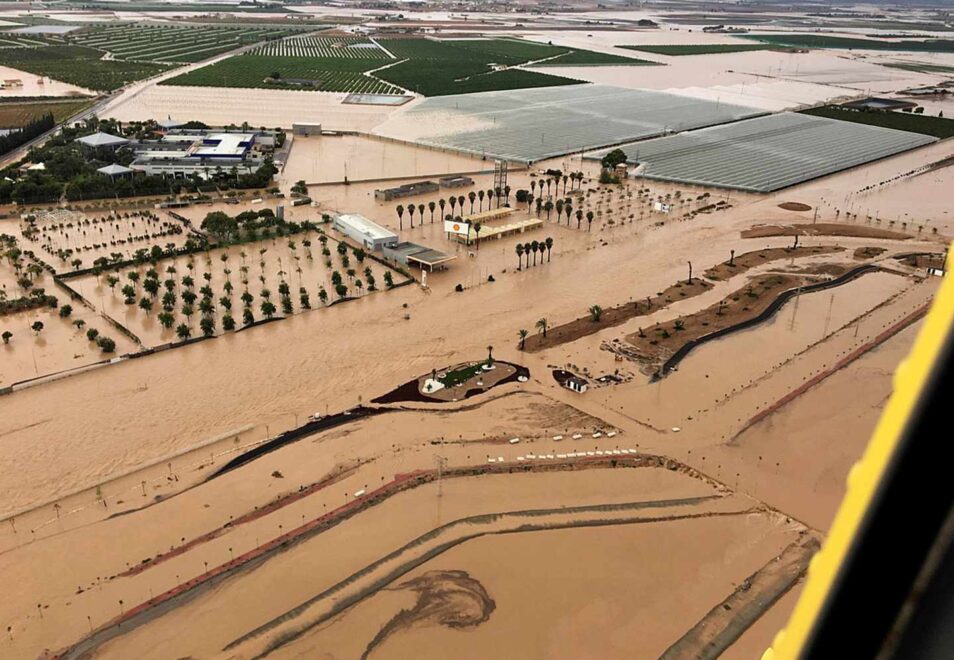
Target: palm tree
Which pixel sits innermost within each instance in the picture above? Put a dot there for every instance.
(579, 218)
(506, 190)
(549, 181)
(565, 179)
(400, 212)
(490, 197)
(453, 204)
(420, 210)
(490, 355)
(410, 213)
(519, 256)
(472, 196)
(568, 210)
(441, 203)
(539, 205)
(523, 337)
(431, 206)
(589, 219)
(533, 187)
(480, 196)
(548, 207)
(183, 332)
(526, 251)
(535, 247)
(529, 204)
(460, 203)
(542, 326)
(477, 228)
(596, 312)
(549, 245)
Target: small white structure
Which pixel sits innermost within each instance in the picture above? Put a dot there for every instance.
(576, 384)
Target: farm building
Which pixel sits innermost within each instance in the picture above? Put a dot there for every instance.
(455, 181)
(412, 254)
(306, 129)
(370, 235)
(768, 153)
(406, 190)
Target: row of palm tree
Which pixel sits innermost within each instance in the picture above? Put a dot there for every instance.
(501, 194)
(542, 326)
(532, 248)
(562, 207)
(575, 177)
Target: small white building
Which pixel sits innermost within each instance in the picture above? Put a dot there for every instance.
(370, 235)
(576, 384)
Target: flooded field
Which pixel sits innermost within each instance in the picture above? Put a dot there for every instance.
(243, 497)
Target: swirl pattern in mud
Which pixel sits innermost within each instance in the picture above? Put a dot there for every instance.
(444, 598)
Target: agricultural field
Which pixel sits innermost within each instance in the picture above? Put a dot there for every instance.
(918, 67)
(78, 65)
(174, 43)
(323, 47)
(20, 113)
(425, 66)
(939, 127)
(231, 287)
(696, 49)
(460, 67)
(331, 74)
(8, 40)
(824, 41)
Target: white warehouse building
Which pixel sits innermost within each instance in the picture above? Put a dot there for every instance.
(370, 235)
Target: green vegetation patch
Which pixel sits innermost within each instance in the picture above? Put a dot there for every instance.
(461, 375)
(922, 68)
(257, 71)
(939, 127)
(440, 68)
(14, 115)
(592, 58)
(174, 43)
(697, 49)
(824, 41)
(79, 66)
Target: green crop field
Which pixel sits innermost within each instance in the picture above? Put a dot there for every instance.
(697, 49)
(20, 113)
(824, 41)
(174, 43)
(426, 66)
(918, 67)
(9, 40)
(939, 127)
(323, 47)
(462, 67)
(78, 65)
(592, 58)
(336, 74)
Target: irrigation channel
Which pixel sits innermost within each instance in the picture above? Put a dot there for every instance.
(766, 314)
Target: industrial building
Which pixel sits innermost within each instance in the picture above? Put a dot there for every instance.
(370, 235)
(406, 190)
(420, 256)
(181, 152)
